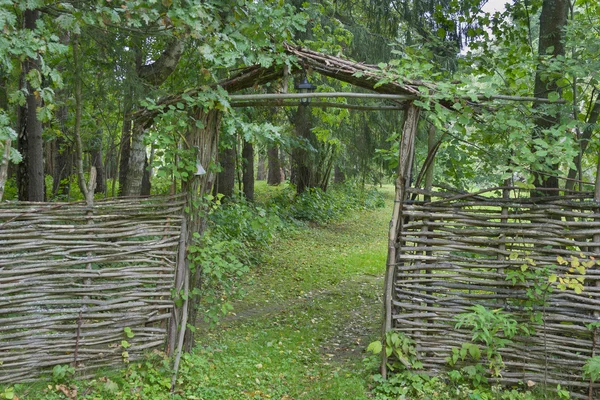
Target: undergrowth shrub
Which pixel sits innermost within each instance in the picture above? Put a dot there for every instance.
(320, 207)
(237, 234)
(418, 386)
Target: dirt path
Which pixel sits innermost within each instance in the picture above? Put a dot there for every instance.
(310, 311)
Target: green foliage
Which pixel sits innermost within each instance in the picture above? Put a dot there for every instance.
(574, 278)
(400, 350)
(418, 386)
(591, 369)
(62, 373)
(323, 207)
(494, 329)
(237, 233)
(8, 133)
(8, 393)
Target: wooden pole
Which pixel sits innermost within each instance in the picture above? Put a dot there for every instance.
(401, 97)
(180, 273)
(4, 165)
(283, 96)
(407, 144)
(597, 251)
(320, 104)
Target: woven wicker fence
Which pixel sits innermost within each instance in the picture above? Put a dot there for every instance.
(457, 251)
(73, 278)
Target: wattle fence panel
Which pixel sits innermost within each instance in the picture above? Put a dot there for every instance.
(458, 251)
(73, 278)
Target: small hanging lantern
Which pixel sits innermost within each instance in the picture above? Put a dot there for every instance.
(199, 169)
(305, 87)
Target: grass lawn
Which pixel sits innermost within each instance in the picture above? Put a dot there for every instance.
(310, 311)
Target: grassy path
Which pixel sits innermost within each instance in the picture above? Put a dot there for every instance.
(310, 311)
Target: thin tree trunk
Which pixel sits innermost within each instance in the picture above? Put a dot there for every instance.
(553, 21)
(137, 161)
(86, 190)
(274, 166)
(583, 144)
(304, 171)
(100, 175)
(338, 175)
(4, 165)
(248, 170)
(6, 145)
(261, 169)
(146, 180)
(32, 187)
(226, 178)
(125, 146)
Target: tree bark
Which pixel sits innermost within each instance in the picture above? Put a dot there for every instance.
(125, 145)
(154, 74)
(553, 21)
(584, 141)
(146, 179)
(338, 175)
(304, 174)
(248, 170)
(31, 145)
(6, 145)
(5, 155)
(205, 140)
(137, 161)
(226, 178)
(100, 175)
(158, 71)
(273, 166)
(261, 169)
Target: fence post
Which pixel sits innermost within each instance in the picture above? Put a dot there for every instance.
(407, 144)
(596, 251)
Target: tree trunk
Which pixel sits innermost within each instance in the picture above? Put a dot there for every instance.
(100, 175)
(137, 161)
(226, 178)
(338, 175)
(153, 74)
(31, 145)
(261, 170)
(6, 145)
(146, 179)
(304, 173)
(125, 146)
(584, 141)
(205, 140)
(274, 166)
(248, 170)
(4, 156)
(553, 21)
(63, 167)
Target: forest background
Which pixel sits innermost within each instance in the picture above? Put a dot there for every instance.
(75, 76)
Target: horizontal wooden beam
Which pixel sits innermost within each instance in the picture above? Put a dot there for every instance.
(380, 96)
(321, 104)
(283, 96)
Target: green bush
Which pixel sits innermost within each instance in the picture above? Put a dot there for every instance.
(236, 236)
(320, 207)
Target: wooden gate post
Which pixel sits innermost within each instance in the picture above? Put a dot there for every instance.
(405, 161)
(204, 137)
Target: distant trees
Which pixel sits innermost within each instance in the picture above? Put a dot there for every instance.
(133, 54)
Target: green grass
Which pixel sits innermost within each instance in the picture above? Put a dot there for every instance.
(309, 313)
